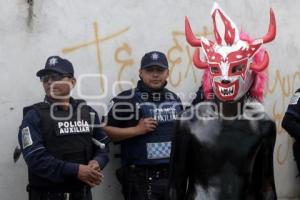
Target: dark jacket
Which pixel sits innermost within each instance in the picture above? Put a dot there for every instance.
(213, 158)
(41, 150)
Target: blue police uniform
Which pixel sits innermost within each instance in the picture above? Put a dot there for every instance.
(53, 148)
(291, 123)
(146, 156)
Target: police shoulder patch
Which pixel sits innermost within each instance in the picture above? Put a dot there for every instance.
(295, 98)
(26, 137)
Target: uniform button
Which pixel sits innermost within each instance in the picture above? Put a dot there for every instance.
(157, 174)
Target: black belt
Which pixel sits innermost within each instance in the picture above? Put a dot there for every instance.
(35, 194)
(151, 171)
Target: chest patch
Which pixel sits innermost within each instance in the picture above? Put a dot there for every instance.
(72, 127)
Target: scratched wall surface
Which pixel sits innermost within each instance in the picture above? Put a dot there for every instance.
(105, 41)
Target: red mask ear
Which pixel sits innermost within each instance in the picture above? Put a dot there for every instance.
(271, 34)
(197, 60)
(258, 67)
(272, 29)
(190, 37)
(192, 40)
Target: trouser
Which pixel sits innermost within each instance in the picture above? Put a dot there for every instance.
(296, 150)
(143, 183)
(35, 194)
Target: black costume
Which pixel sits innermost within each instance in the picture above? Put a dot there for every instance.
(214, 159)
(226, 154)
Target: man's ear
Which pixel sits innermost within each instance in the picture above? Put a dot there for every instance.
(73, 81)
(168, 72)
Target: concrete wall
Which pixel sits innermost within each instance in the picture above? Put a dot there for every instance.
(109, 38)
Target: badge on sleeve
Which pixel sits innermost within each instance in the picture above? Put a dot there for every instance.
(295, 98)
(26, 137)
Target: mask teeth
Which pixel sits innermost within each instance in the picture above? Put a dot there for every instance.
(227, 91)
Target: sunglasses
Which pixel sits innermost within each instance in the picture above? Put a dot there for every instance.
(54, 77)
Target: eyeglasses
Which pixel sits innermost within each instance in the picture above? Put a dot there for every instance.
(53, 77)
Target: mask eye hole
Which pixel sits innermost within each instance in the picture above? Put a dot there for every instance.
(237, 69)
(214, 70)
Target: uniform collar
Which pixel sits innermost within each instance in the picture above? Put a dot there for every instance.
(160, 94)
(50, 101)
(144, 88)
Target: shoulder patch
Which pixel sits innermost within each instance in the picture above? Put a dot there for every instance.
(26, 137)
(295, 98)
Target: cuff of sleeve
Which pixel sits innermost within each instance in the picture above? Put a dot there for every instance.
(71, 169)
(102, 161)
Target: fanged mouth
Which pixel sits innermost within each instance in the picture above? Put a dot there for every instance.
(229, 91)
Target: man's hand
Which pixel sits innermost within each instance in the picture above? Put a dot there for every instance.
(94, 165)
(89, 175)
(146, 125)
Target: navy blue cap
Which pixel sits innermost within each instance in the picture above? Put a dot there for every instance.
(57, 64)
(154, 58)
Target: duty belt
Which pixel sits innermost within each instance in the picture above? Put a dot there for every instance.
(44, 195)
(150, 171)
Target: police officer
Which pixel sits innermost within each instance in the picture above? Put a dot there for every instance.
(56, 138)
(141, 120)
(291, 123)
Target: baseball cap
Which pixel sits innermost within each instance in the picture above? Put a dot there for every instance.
(57, 64)
(154, 58)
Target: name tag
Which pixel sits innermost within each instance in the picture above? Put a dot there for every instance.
(164, 114)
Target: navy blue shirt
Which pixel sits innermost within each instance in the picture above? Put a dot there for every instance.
(291, 120)
(40, 161)
(125, 112)
(128, 108)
